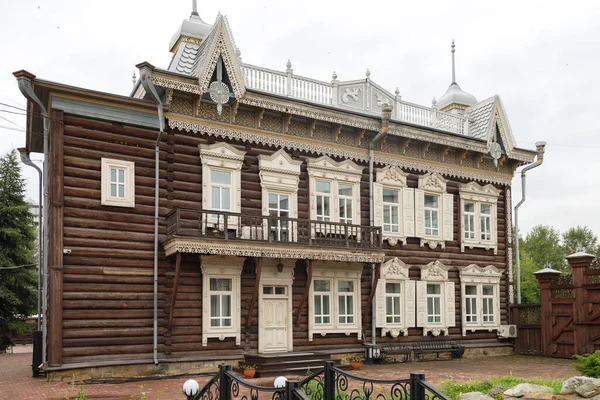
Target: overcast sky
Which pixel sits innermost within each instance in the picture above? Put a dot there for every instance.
(541, 57)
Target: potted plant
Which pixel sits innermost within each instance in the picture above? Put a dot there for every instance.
(356, 362)
(249, 370)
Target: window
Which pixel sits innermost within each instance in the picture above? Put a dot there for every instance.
(334, 299)
(279, 207)
(221, 295)
(323, 201)
(478, 223)
(221, 180)
(391, 205)
(334, 189)
(279, 177)
(220, 302)
(322, 296)
(435, 300)
(394, 206)
(118, 183)
(394, 299)
(434, 210)
(346, 302)
(480, 297)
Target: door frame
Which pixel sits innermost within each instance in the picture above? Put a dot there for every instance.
(271, 277)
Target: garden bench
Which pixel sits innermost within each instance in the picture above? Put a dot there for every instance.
(423, 347)
(396, 351)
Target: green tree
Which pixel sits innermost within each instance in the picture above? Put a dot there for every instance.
(542, 245)
(580, 238)
(530, 287)
(18, 297)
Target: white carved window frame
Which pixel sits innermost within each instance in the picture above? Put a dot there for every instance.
(129, 183)
(473, 192)
(434, 184)
(474, 275)
(395, 271)
(221, 157)
(437, 273)
(344, 172)
(280, 174)
(393, 178)
(334, 272)
(270, 276)
(221, 267)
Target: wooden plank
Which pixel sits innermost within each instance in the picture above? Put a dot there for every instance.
(255, 293)
(306, 291)
(562, 329)
(175, 289)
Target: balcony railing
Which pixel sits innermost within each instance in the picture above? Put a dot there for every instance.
(220, 225)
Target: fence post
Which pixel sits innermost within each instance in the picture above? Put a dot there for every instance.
(224, 387)
(329, 381)
(417, 392)
(544, 276)
(289, 389)
(579, 262)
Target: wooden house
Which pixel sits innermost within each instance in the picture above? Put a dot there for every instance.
(292, 215)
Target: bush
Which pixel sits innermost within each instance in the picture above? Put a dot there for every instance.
(589, 364)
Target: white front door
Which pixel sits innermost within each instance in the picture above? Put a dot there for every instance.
(274, 330)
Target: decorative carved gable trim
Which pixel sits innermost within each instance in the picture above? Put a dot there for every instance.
(434, 271)
(326, 164)
(221, 44)
(432, 182)
(221, 150)
(499, 119)
(394, 269)
(392, 176)
(281, 162)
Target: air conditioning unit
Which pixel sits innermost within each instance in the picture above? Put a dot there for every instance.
(507, 331)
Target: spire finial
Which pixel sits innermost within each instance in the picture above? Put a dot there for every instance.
(453, 67)
(133, 78)
(194, 8)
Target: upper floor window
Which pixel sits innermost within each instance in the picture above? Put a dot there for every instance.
(480, 297)
(334, 190)
(335, 299)
(479, 216)
(394, 299)
(435, 299)
(221, 178)
(433, 211)
(118, 183)
(393, 205)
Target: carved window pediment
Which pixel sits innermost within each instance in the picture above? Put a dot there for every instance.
(432, 182)
(434, 271)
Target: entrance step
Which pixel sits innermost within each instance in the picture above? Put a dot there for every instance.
(289, 363)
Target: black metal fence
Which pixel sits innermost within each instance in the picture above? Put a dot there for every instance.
(329, 383)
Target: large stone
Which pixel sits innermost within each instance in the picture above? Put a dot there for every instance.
(589, 389)
(570, 385)
(522, 388)
(475, 396)
(538, 396)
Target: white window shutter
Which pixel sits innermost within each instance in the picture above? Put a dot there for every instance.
(419, 213)
(421, 303)
(380, 304)
(410, 300)
(378, 204)
(409, 211)
(449, 304)
(448, 218)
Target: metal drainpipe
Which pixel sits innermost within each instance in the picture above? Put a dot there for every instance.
(385, 123)
(540, 159)
(27, 161)
(146, 77)
(24, 83)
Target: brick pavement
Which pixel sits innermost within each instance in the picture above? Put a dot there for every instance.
(16, 381)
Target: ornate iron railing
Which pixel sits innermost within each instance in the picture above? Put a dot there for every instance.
(235, 226)
(329, 383)
(287, 84)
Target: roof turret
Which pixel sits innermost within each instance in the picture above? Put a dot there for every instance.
(455, 98)
(193, 28)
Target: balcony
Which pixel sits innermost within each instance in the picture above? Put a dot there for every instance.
(228, 227)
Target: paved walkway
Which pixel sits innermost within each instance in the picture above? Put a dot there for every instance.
(16, 381)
